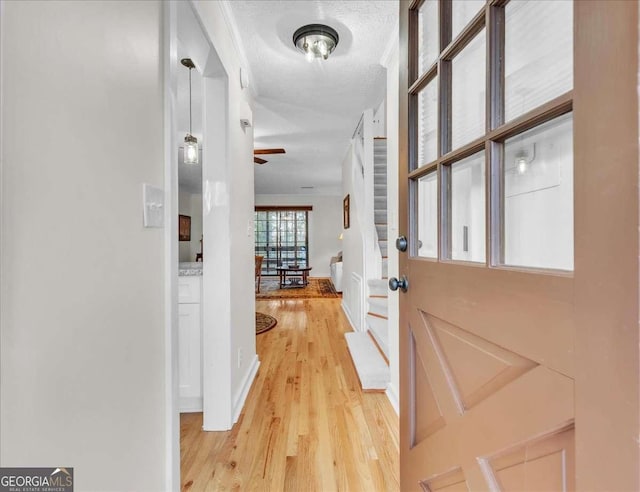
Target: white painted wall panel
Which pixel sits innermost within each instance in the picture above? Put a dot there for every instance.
(82, 379)
(239, 304)
(392, 66)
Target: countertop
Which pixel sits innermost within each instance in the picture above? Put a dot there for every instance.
(190, 269)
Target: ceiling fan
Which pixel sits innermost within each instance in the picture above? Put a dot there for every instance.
(257, 152)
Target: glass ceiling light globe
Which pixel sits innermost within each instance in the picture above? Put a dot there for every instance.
(316, 40)
(309, 55)
(322, 47)
(190, 149)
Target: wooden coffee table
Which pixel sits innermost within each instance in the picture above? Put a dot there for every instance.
(298, 276)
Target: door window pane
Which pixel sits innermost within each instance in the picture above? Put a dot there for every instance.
(538, 53)
(428, 45)
(468, 92)
(427, 123)
(462, 11)
(538, 197)
(467, 201)
(428, 215)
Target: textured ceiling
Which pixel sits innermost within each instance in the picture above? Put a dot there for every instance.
(311, 109)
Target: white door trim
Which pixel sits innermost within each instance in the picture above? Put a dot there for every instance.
(172, 415)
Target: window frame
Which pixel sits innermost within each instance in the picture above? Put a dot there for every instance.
(268, 266)
(490, 17)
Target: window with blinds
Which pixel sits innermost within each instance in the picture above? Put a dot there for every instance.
(281, 237)
(491, 132)
(538, 54)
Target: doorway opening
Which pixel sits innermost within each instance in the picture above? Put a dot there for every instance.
(198, 327)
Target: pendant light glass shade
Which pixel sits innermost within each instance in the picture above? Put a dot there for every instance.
(191, 153)
(190, 149)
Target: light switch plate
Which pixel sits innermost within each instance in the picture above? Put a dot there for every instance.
(153, 206)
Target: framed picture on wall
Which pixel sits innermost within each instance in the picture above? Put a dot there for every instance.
(184, 228)
(345, 212)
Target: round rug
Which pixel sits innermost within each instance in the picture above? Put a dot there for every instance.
(264, 322)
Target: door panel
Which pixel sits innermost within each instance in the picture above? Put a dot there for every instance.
(521, 378)
(542, 464)
(508, 401)
(606, 245)
(453, 481)
(430, 419)
(531, 315)
(475, 368)
(487, 351)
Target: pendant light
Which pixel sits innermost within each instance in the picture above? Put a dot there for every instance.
(190, 142)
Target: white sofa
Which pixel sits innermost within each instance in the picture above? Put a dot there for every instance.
(336, 272)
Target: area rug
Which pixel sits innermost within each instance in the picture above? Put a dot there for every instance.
(264, 322)
(318, 288)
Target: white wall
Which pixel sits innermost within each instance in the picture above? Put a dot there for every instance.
(191, 204)
(393, 94)
(325, 226)
(467, 209)
(231, 197)
(82, 378)
(353, 245)
(427, 215)
(539, 202)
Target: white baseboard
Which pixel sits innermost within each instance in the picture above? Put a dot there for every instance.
(190, 404)
(238, 403)
(392, 395)
(347, 313)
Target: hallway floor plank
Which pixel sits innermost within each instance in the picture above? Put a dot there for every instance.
(306, 425)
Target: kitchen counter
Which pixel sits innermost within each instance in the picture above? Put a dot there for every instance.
(190, 269)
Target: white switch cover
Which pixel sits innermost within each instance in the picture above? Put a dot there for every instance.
(153, 206)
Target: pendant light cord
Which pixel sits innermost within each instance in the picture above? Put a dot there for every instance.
(189, 101)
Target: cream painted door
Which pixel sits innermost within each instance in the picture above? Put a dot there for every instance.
(491, 389)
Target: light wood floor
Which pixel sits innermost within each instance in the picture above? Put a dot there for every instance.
(306, 425)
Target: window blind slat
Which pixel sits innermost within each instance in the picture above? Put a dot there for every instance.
(427, 35)
(427, 123)
(468, 92)
(538, 54)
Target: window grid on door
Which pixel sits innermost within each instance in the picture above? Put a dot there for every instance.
(488, 21)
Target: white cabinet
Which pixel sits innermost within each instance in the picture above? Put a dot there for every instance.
(190, 344)
(189, 289)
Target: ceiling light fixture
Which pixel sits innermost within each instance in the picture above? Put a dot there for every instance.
(190, 142)
(316, 40)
